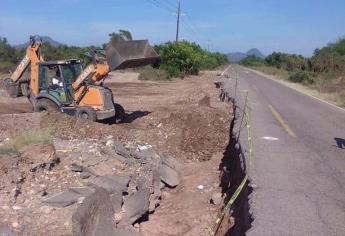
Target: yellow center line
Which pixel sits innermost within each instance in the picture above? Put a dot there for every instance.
(282, 122)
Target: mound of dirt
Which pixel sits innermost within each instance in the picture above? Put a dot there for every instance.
(201, 131)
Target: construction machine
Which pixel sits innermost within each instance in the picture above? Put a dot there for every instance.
(66, 86)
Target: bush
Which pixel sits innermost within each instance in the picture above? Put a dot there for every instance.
(300, 77)
(252, 61)
(211, 61)
(289, 62)
(184, 58)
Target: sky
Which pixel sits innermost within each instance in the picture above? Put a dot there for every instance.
(292, 26)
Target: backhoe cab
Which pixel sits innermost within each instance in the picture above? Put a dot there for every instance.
(64, 85)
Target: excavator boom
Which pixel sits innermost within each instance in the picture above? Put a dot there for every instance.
(32, 57)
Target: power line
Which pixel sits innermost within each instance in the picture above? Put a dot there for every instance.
(172, 5)
(167, 4)
(160, 5)
(186, 22)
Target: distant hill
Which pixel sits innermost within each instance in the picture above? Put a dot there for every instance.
(237, 56)
(45, 39)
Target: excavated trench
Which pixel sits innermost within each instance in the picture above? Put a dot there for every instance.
(233, 169)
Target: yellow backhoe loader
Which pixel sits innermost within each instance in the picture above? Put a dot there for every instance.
(64, 85)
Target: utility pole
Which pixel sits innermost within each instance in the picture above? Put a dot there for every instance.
(178, 20)
(208, 45)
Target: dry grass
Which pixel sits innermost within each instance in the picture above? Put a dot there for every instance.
(25, 139)
(337, 98)
(281, 74)
(149, 73)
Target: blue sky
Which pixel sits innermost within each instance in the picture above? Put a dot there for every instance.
(294, 26)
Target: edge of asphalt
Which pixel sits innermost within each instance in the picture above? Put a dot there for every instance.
(279, 82)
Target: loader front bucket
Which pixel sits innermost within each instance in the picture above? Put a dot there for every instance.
(130, 54)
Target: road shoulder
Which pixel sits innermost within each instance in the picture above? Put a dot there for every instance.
(323, 97)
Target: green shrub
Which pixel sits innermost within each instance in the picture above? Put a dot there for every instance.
(289, 62)
(211, 61)
(300, 77)
(185, 58)
(252, 61)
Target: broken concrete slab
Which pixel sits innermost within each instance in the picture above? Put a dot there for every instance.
(117, 200)
(154, 203)
(169, 176)
(112, 183)
(85, 175)
(83, 191)
(62, 199)
(136, 206)
(94, 217)
(68, 197)
(145, 181)
(121, 150)
(170, 161)
(144, 154)
(76, 168)
(156, 195)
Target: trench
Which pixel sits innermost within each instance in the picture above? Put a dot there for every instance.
(233, 169)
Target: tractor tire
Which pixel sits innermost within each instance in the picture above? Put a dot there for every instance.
(45, 105)
(86, 113)
(120, 113)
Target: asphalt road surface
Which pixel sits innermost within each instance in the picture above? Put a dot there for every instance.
(299, 160)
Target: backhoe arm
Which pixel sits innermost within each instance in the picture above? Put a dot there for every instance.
(14, 84)
(32, 56)
(95, 72)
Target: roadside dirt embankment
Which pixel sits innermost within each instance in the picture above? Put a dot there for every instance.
(160, 168)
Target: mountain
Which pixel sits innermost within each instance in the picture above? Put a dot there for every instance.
(45, 39)
(237, 56)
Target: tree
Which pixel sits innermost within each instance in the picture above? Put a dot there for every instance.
(122, 35)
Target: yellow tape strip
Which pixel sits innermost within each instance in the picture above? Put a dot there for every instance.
(240, 187)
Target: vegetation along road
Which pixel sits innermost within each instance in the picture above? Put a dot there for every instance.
(298, 175)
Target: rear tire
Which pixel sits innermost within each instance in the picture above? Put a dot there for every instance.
(45, 105)
(86, 113)
(120, 113)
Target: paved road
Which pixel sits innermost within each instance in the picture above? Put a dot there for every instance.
(299, 169)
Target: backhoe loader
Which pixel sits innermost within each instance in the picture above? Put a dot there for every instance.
(64, 85)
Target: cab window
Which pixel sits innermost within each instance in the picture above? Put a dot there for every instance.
(70, 72)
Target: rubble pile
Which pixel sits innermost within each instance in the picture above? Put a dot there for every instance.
(101, 186)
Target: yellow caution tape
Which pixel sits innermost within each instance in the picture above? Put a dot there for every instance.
(240, 187)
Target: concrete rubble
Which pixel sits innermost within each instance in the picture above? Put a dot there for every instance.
(68, 197)
(110, 204)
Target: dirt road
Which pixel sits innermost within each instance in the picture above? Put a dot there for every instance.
(183, 118)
